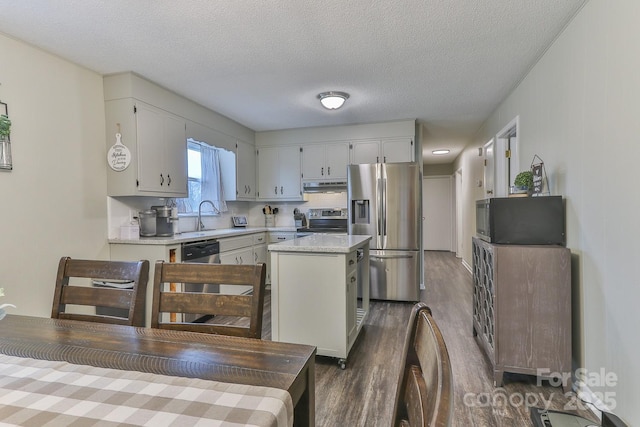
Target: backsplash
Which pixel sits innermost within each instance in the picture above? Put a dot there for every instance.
(121, 211)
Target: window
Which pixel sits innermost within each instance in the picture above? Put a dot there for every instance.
(204, 180)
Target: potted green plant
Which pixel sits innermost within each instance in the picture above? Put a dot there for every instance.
(523, 182)
(5, 126)
(5, 146)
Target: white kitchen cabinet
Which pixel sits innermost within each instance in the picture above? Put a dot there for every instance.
(277, 237)
(260, 253)
(279, 173)
(325, 162)
(238, 168)
(158, 146)
(390, 150)
(245, 171)
(246, 249)
(314, 299)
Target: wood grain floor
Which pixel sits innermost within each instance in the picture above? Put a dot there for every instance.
(362, 395)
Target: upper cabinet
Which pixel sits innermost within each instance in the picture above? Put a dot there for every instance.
(279, 173)
(238, 169)
(246, 171)
(157, 142)
(325, 162)
(389, 150)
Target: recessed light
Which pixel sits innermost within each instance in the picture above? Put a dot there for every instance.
(440, 152)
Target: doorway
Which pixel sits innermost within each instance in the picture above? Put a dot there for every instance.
(437, 211)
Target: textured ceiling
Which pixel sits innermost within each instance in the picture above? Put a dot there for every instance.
(262, 62)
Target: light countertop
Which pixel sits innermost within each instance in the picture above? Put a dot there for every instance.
(193, 236)
(322, 243)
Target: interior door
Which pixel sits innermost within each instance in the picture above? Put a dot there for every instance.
(438, 213)
(489, 168)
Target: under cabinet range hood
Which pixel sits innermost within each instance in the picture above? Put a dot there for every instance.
(325, 187)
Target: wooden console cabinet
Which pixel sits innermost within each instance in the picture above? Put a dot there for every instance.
(522, 309)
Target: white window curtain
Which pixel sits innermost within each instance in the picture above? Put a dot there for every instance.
(212, 179)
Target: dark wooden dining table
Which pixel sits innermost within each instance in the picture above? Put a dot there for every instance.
(236, 360)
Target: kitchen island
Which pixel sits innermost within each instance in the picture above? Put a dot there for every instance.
(315, 298)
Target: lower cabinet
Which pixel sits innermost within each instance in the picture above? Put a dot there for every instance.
(314, 301)
(242, 250)
(522, 309)
(277, 237)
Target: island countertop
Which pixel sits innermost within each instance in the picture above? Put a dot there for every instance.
(322, 243)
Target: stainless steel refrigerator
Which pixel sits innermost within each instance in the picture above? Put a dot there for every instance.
(384, 202)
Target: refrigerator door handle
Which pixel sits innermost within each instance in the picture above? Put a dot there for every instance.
(380, 209)
(390, 256)
(384, 212)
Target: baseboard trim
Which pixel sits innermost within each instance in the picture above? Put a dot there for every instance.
(467, 266)
(589, 398)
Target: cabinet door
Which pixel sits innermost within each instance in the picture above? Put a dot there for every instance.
(260, 254)
(268, 173)
(149, 123)
(336, 160)
(290, 186)
(238, 257)
(365, 152)
(352, 307)
(397, 150)
(175, 155)
(246, 170)
(313, 164)
(162, 151)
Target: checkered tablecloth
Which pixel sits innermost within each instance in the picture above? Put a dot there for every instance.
(45, 393)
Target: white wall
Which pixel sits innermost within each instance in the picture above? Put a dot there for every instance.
(53, 203)
(579, 111)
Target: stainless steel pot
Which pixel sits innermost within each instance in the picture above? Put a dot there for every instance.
(147, 221)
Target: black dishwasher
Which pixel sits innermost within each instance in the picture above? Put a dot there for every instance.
(206, 252)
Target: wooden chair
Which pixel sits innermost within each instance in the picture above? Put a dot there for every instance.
(109, 300)
(425, 387)
(216, 304)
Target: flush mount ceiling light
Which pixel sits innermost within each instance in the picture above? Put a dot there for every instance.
(332, 100)
(440, 152)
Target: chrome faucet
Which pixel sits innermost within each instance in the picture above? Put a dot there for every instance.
(200, 225)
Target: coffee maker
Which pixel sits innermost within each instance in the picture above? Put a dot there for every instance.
(164, 221)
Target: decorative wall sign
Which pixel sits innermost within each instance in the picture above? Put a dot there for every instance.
(540, 182)
(119, 155)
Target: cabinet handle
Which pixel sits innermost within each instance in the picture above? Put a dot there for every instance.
(255, 256)
(353, 279)
(241, 260)
(249, 192)
(161, 179)
(322, 171)
(377, 159)
(351, 262)
(276, 189)
(282, 238)
(385, 159)
(169, 180)
(281, 190)
(328, 170)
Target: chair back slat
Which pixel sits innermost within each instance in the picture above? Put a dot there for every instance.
(249, 306)
(425, 386)
(103, 297)
(193, 303)
(130, 302)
